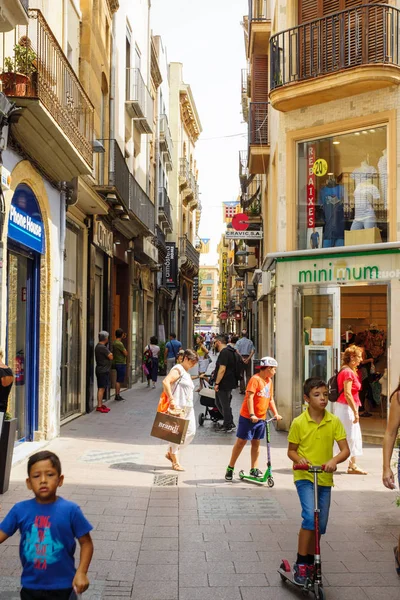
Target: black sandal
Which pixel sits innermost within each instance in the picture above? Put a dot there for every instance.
(396, 560)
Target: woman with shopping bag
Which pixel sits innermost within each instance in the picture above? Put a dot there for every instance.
(178, 387)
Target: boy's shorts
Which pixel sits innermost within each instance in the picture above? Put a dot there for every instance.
(250, 431)
(305, 490)
(121, 372)
(47, 594)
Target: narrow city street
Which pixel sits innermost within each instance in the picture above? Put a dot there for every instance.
(160, 535)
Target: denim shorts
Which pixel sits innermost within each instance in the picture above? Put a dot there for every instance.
(305, 490)
(250, 431)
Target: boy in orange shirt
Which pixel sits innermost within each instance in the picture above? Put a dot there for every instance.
(251, 426)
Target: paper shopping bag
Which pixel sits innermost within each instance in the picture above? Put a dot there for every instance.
(169, 428)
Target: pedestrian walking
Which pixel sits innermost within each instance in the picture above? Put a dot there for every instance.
(348, 404)
(226, 379)
(171, 351)
(251, 427)
(202, 353)
(391, 436)
(119, 361)
(311, 439)
(103, 366)
(6, 383)
(246, 350)
(179, 387)
(49, 526)
(208, 339)
(152, 351)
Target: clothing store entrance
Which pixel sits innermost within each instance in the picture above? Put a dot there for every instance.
(331, 319)
(364, 322)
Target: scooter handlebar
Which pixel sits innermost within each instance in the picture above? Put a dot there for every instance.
(308, 467)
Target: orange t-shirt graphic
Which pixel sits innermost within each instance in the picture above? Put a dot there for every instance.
(262, 395)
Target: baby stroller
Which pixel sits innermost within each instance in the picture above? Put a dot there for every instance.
(207, 399)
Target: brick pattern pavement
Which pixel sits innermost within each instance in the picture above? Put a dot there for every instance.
(205, 539)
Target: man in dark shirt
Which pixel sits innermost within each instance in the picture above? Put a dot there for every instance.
(225, 380)
(103, 366)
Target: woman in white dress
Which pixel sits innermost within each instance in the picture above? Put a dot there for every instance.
(179, 387)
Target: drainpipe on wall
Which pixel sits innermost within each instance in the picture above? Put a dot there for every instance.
(63, 215)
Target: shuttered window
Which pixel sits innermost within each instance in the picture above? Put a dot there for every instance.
(259, 80)
(259, 99)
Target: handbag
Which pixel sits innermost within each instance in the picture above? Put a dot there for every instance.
(170, 428)
(163, 404)
(145, 369)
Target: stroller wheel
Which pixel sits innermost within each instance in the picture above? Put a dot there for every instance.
(241, 474)
(270, 482)
(201, 419)
(320, 594)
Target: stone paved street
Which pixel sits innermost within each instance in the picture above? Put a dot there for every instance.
(205, 539)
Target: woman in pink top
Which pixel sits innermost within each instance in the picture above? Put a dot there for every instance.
(348, 404)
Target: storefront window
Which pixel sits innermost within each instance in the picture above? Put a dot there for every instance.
(343, 190)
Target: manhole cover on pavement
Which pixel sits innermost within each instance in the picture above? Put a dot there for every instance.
(218, 507)
(163, 480)
(110, 457)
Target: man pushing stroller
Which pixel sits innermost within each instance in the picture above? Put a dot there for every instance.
(258, 399)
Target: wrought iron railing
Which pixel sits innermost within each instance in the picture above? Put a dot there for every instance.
(140, 204)
(138, 95)
(367, 34)
(258, 124)
(243, 165)
(116, 174)
(187, 249)
(161, 239)
(165, 135)
(33, 65)
(164, 204)
(259, 10)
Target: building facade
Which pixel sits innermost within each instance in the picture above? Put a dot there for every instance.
(330, 205)
(208, 299)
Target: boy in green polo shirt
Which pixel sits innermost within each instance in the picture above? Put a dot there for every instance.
(311, 438)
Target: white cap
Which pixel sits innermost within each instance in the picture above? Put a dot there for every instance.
(268, 361)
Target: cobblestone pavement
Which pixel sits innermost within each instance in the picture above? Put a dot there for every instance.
(204, 538)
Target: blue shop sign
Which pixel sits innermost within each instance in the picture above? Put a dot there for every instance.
(25, 224)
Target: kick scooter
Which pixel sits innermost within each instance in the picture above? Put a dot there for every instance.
(313, 582)
(267, 477)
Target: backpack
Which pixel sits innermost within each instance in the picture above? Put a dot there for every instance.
(333, 388)
(237, 366)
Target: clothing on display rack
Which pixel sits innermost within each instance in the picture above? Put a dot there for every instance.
(331, 198)
(373, 340)
(365, 195)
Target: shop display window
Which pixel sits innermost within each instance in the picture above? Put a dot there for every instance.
(343, 189)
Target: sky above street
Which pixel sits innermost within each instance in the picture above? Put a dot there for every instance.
(207, 37)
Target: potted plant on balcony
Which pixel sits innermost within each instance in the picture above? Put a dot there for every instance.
(18, 76)
(7, 439)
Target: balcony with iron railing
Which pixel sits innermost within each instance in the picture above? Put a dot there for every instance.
(184, 172)
(56, 124)
(189, 255)
(258, 139)
(259, 26)
(139, 103)
(13, 13)
(115, 178)
(165, 210)
(166, 145)
(245, 94)
(337, 56)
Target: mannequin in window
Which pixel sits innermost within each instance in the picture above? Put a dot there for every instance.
(307, 324)
(331, 198)
(366, 195)
(383, 177)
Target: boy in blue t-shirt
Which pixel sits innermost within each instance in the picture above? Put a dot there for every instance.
(49, 526)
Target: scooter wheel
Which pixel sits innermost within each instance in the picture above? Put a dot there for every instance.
(241, 474)
(270, 482)
(201, 419)
(321, 594)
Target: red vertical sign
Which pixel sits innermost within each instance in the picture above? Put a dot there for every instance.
(310, 186)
